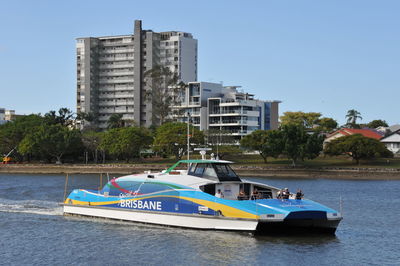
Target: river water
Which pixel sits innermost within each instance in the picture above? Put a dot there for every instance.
(33, 230)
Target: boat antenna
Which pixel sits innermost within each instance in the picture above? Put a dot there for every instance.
(188, 138)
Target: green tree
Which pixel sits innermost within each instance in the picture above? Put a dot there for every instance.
(357, 147)
(115, 121)
(51, 140)
(222, 142)
(64, 117)
(126, 143)
(86, 121)
(326, 124)
(91, 141)
(12, 133)
(268, 143)
(297, 144)
(171, 138)
(308, 120)
(377, 123)
(352, 117)
(162, 92)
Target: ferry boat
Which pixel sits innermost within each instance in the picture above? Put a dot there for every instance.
(205, 196)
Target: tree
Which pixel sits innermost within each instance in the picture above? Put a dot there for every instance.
(51, 141)
(64, 117)
(171, 138)
(377, 123)
(162, 92)
(91, 141)
(126, 143)
(268, 143)
(352, 116)
(115, 121)
(86, 121)
(357, 147)
(297, 144)
(326, 124)
(12, 133)
(308, 120)
(222, 142)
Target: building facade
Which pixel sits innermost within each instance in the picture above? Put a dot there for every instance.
(392, 142)
(110, 71)
(213, 106)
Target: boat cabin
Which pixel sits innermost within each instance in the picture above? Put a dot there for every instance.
(223, 178)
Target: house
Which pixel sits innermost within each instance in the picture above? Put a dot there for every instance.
(388, 130)
(366, 132)
(392, 142)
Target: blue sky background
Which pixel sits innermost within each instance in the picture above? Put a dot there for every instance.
(321, 56)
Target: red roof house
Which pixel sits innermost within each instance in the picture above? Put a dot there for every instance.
(366, 132)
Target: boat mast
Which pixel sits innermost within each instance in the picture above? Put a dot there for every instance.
(188, 138)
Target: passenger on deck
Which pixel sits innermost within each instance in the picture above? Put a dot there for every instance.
(255, 194)
(279, 194)
(299, 194)
(219, 194)
(285, 194)
(242, 195)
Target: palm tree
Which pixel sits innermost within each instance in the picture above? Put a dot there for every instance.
(352, 116)
(115, 121)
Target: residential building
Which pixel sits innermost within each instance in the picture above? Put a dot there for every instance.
(10, 115)
(388, 130)
(2, 114)
(366, 132)
(213, 106)
(110, 71)
(392, 142)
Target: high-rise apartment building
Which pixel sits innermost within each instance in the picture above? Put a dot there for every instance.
(226, 109)
(110, 71)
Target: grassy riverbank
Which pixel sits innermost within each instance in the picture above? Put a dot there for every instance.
(246, 165)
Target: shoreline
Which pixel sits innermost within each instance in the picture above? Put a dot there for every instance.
(245, 171)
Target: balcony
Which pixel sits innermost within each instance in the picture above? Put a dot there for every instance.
(114, 81)
(117, 51)
(116, 66)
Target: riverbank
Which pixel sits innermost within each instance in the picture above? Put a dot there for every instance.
(242, 170)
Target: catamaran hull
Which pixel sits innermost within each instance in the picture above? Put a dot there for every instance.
(303, 226)
(206, 222)
(177, 220)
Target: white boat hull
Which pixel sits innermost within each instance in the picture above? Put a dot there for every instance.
(196, 221)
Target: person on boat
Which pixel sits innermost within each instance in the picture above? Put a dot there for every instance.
(285, 194)
(219, 194)
(255, 194)
(242, 195)
(299, 194)
(279, 194)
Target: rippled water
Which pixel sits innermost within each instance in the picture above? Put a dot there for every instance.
(33, 230)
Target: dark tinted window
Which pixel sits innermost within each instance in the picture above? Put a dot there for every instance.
(225, 173)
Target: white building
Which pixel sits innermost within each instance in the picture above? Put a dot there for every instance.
(110, 71)
(2, 114)
(213, 106)
(392, 142)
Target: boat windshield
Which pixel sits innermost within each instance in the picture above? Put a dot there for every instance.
(215, 171)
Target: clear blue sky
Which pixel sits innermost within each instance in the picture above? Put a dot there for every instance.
(321, 56)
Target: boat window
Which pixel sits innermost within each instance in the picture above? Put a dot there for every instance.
(209, 171)
(199, 169)
(192, 168)
(203, 170)
(225, 173)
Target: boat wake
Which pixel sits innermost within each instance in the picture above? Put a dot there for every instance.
(30, 206)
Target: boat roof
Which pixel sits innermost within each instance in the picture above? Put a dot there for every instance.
(197, 161)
